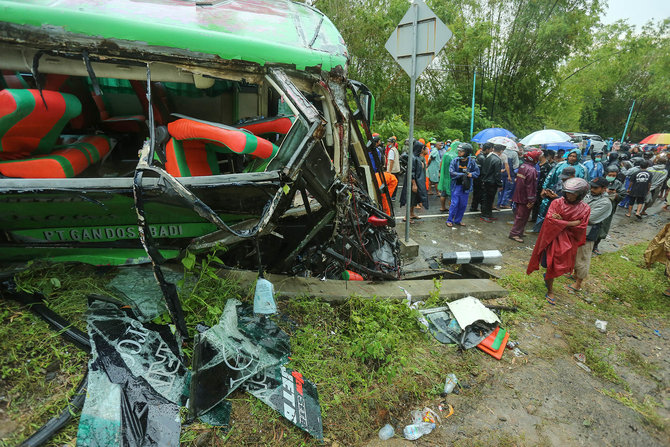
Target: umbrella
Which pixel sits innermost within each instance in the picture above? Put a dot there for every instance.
(545, 136)
(508, 143)
(486, 134)
(657, 138)
(567, 145)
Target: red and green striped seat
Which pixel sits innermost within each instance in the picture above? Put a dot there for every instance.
(29, 127)
(66, 160)
(192, 149)
(277, 124)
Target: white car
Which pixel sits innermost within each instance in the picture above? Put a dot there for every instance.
(581, 139)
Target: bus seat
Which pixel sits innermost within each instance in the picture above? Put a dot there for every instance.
(64, 161)
(27, 126)
(192, 149)
(278, 124)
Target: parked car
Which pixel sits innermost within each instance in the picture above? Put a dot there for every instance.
(581, 139)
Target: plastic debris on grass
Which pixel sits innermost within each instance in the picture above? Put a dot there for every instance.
(467, 323)
(138, 381)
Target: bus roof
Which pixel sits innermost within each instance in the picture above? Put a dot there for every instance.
(257, 31)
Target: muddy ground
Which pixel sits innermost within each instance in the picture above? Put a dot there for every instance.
(544, 397)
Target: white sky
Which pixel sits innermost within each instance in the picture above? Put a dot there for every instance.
(637, 12)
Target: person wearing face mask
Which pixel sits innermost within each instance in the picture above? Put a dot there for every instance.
(594, 166)
(563, 231)
(615, 192)
(462, 170)
(601, 208)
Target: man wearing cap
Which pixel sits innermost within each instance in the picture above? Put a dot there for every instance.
(549, 194)
(601, 207)
(525, 193)
(376, 154)
(564, 230)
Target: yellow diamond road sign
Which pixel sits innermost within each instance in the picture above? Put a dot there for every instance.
(430, 37)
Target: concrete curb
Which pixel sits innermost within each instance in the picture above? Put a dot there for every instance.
(339, 290)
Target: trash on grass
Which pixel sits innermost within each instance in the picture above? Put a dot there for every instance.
(386, 432)
(494, 344)
(450, 383)
(415, 431)
(584, 367)
(264, 297)
(425, 415)
(466, 322)
(469, 310)
(601, 326)
(580, 357)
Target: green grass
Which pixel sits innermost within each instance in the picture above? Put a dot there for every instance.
(646, 408)
(40, 371)
(370, 359)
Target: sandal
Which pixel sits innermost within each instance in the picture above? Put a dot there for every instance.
(450, 225)
(627, 215)
(550, 300)
(573, 290)
(517, 239)
(638, 216)
(461, 224)
(444, 211)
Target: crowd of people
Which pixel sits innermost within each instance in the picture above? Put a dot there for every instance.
(570, 201)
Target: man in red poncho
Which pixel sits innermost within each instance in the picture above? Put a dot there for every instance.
(525, 193)
(563, 231)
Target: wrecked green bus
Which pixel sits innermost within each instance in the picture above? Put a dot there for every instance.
(136, 130)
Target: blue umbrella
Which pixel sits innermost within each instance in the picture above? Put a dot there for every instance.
(486, 134)
(566, 145)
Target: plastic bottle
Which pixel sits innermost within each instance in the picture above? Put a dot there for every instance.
(450, 383)
(386, 432)
(415, 431)
(264, 302)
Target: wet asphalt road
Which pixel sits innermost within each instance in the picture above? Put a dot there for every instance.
(434, 237)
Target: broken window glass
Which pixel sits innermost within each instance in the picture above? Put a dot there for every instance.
(137, 380)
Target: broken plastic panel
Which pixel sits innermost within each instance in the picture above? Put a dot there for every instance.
(475, 324)
(137, 381)
(442, 325)
(469, 309)
(290, 394)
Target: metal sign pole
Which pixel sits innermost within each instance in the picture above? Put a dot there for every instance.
(410, 156)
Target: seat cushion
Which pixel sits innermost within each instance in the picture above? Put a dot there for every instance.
(224, 139)
(27, 125)
(65, 161)
(279, 124)
(190, 158)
